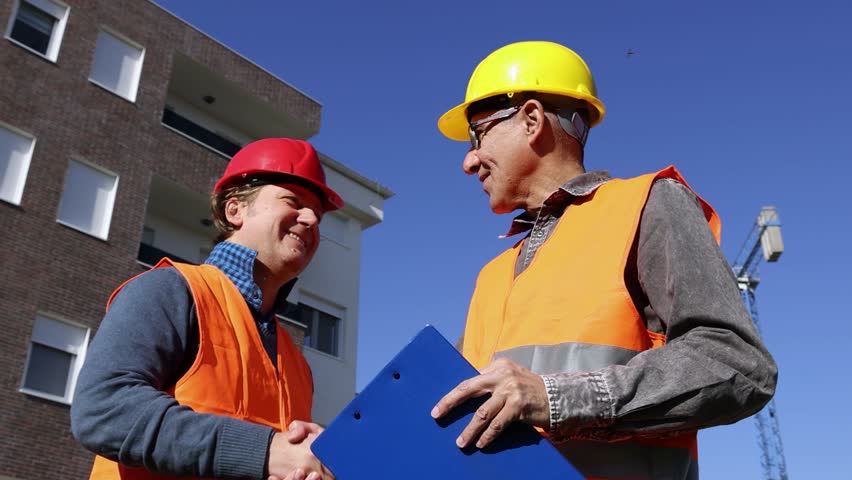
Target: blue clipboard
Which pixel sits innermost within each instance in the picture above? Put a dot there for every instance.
(387, 431)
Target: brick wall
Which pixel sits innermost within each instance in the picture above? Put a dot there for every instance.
(50, 268)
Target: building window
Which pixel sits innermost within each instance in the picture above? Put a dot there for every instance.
(323, 329)
(57, 350)
(202, 135)
(38, 25)
(16, 149)
(87, 199)
(117, 65)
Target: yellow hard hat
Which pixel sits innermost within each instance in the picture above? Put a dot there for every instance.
(543, 67)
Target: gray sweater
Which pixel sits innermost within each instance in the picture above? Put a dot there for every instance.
(147, 340)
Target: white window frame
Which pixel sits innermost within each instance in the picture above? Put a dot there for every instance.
(22, 177)
(77, 363)
(104, 234)
(51, 7)
(137, 74)
(333, 310)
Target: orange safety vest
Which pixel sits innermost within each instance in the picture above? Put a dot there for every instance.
(232, 374)
(570, 311)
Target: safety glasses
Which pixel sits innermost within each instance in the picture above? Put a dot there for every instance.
(499, 115)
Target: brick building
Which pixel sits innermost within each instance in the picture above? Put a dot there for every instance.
(116, 117)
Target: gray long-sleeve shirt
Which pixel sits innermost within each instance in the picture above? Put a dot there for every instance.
(146, 342)
(714, 368)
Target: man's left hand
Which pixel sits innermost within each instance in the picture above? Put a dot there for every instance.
(516, 394)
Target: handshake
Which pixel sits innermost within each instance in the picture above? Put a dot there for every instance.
(290, 456)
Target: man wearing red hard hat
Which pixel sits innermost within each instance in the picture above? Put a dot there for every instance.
(189, 374)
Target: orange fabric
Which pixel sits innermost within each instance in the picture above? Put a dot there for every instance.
(232, 374)
(573, 291)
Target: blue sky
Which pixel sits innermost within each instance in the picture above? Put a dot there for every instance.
(750, 100)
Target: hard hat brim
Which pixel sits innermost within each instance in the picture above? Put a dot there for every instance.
(330, 199)
(454, 123)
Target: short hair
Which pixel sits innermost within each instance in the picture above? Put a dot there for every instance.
(243, 193)
(552, 105)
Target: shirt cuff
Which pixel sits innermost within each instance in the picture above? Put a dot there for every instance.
(577, 401)
(242, 450)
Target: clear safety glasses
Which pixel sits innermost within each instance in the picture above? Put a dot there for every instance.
(500, 115)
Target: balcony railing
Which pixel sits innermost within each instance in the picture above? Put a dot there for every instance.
(149, 255)
(199, 133)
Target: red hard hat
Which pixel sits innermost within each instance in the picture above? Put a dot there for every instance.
(285, 158)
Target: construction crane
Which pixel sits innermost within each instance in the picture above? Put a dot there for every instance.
(765, 237)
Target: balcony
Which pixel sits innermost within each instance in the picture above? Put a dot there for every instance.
(149, 255)
(205, 137)
(177, 224)
(221, 115)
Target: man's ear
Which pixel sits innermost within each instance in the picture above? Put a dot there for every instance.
(234, 212)
(532, 114)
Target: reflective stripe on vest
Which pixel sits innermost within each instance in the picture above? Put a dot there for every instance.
(232, 374)
(567, 357)
(570, 311)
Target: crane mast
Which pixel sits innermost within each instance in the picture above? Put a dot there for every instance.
(765, 238)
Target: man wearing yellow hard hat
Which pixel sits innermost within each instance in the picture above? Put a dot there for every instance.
(613, 323)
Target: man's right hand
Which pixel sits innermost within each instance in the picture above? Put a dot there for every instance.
(290, 456)
(299, 430)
